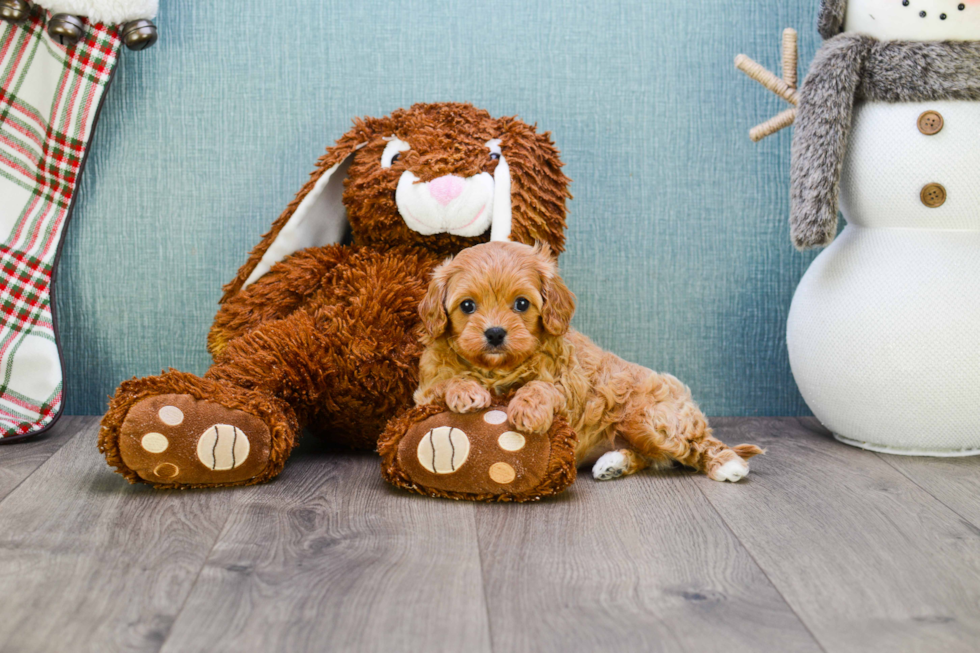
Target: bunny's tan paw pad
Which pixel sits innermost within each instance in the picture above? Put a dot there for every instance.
(476, 456)
(177, 439)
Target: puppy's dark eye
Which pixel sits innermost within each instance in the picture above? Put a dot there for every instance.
(494, 156)
(521, 304)
(468, 306)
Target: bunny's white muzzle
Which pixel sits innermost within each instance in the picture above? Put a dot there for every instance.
(449, 204)
(460, 206)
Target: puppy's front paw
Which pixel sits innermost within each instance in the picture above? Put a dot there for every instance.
(528, 415)
(734, 471)
(610, 465)
(467, 397)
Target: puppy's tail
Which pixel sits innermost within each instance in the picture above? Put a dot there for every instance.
(746, 451)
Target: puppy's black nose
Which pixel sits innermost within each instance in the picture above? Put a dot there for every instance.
(495, 336)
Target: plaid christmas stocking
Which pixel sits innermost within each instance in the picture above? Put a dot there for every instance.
(50, 95)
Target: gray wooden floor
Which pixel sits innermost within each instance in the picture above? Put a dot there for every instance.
(824, 547)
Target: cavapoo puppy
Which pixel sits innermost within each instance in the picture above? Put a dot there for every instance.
(497, 320)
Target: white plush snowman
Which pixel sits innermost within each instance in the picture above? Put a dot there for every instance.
(884, 329)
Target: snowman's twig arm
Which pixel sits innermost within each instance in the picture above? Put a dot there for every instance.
(755, 71)
(773, 125)
(791, 57)
(784, 87)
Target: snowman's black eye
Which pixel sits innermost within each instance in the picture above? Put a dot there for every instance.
(961, 7)
(468, 306)
(942, 16)
(922, 14)
(905, 3)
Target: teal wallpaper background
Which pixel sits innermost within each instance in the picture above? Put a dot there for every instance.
(679, 246)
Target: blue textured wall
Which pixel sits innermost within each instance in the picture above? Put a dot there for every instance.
(678, 247)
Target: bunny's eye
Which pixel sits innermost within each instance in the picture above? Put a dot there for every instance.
(468, 306)
(494, 147)
(393, 151)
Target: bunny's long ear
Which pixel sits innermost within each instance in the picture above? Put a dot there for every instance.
(502, 220)
(536, 186)
(316, 217)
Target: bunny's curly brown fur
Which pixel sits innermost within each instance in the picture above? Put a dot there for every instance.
(330, 334)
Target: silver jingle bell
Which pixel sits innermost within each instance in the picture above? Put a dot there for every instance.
(66, 29)
(138, 34)
(14, 11)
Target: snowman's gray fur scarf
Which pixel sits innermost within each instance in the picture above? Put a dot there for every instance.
(853, 67)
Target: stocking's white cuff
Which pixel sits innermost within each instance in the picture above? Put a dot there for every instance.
(109, 12)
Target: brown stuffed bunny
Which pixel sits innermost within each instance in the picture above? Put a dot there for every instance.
(312, 333)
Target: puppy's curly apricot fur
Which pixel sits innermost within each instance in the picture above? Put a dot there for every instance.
(554, 369)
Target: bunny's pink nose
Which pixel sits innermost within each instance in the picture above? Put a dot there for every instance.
(446, 189)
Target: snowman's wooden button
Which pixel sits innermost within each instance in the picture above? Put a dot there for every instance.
(931, 123)
(933, 195)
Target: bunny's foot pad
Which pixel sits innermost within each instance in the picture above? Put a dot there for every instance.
(475, 456)
(175, 439)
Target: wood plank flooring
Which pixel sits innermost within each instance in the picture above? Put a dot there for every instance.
(823, 548)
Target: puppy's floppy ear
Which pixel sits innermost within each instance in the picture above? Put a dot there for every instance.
(316, 217)
(432, 309)
(559, 301)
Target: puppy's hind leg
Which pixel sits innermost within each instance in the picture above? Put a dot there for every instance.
(666, 423)
(615, 464)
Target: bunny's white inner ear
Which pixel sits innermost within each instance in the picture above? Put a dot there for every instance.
(501, 223)
(320, 219)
